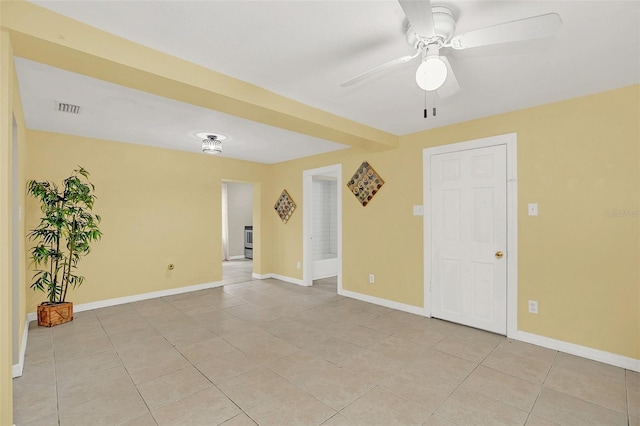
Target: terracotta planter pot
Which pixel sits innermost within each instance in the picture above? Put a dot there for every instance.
(51, 314)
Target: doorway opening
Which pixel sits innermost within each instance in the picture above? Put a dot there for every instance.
(322, 228)
(237, 231)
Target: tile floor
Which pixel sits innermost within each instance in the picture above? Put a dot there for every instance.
(271, 353)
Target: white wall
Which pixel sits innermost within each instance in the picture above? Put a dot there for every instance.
(240, 204)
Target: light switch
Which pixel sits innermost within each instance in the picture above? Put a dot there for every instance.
(533, 209)
(418, 210)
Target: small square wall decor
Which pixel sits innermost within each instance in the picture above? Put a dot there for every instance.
(285, 206)
(365, 183)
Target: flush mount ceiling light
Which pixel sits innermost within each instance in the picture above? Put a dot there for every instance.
(212, 145)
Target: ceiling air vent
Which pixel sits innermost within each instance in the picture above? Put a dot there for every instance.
(70, 108)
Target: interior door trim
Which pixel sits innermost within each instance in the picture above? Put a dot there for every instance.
(511, 252)
(335, 171)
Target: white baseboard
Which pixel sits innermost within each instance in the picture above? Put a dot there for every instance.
(417, 310)
(16, 369)
(279, 277)
(238, 257)
(582, 351)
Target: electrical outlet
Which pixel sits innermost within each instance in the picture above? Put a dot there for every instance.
(298, 265)
(533, 306)
(372, 278)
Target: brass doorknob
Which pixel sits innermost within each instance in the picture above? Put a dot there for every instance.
(499, 254)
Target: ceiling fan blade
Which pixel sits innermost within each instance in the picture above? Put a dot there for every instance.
(541, 26)
(420, 16)
(379, 68)
(450, 86)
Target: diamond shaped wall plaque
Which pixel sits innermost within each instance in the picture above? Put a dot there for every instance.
(365, 183)
(285, 206)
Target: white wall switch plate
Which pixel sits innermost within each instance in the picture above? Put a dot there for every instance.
(533, 209)
(418, 211)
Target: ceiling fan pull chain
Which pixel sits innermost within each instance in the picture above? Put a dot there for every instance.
(425, 104)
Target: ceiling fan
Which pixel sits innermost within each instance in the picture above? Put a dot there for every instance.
(431, 29)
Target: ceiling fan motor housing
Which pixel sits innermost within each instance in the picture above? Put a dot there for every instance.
(444, 26)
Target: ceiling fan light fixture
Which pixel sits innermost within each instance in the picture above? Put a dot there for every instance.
(212, 145)
(431, 73)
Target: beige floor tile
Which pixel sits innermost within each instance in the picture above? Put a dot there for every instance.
(472, 350)
(267, 350)
(450, 368)
(359, 335)
(421, 336)
(82, 368)
(503, 387)
(602, 389)
(84, 347)
(204, 350)
(531, 369)
(276, 346)
(76, 327)
(436, 420)
(334, 386)
(633, 392)
(154, 365)
(425, 389)
(298, 366)
(243, 333)
(372, 365)
(144, 420)
(564, 409)
(333, 349)
(187, 334)
(152, 307)
(527, 350)
(119, 325)
(172, 387)
(539, 421)
(135, 337)
(382, 407)
(252, 387)
(207, 407)
(28, 409)
(227, 366)
(240, 420)
(113, 405)
(304, 337)
(77, 391)
(49, 420)
(339, 420)
(397, 348)
(291, 407)
(465, 407)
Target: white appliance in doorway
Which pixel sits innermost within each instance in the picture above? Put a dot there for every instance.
(469, 225)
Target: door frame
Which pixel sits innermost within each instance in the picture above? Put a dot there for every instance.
(307, 210)
(511, 251)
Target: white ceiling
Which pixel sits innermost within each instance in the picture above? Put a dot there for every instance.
(305, 49)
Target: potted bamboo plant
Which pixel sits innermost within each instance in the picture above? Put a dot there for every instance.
(64, 235)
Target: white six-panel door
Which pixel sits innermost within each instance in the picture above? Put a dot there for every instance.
(469, 238)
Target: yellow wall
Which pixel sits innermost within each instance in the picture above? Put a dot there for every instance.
(576, 159)
(10, 107)
(158, 207)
